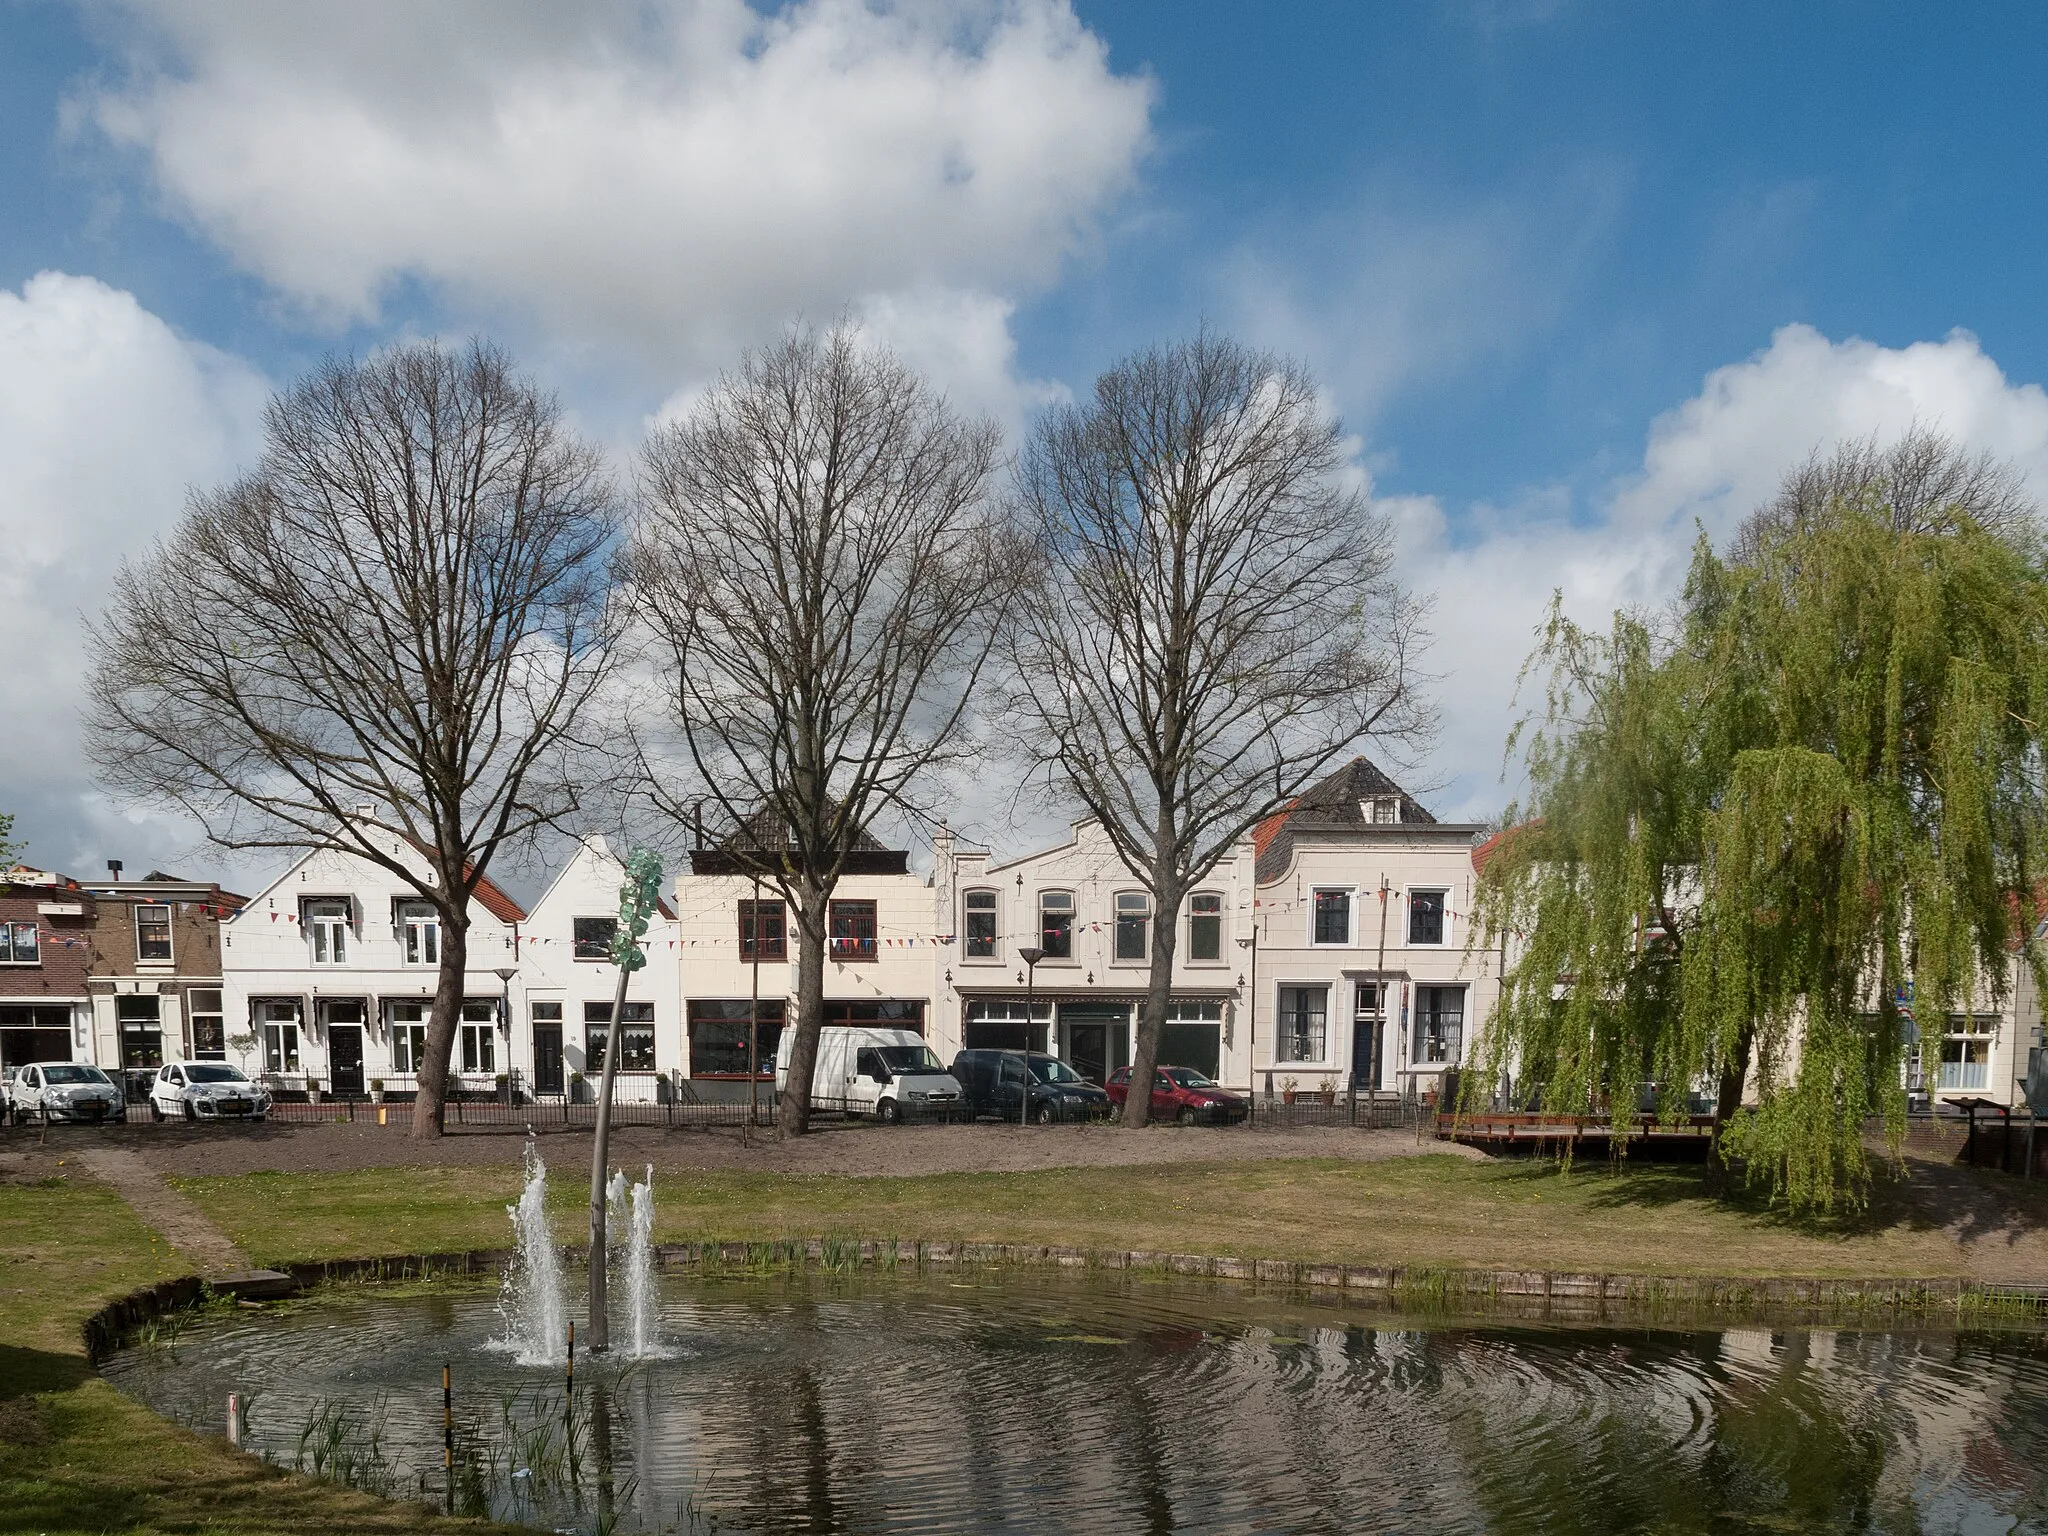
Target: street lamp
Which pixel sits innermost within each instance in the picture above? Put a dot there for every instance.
(1030, 954)
(1251, 1027)
(505, 975)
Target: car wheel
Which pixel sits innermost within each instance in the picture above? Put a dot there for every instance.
(889, 1112)
(190, 1113)
(1045, 1115)
(1188, 1115)
(156, 1110)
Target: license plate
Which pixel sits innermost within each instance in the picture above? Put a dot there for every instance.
(234, 1106)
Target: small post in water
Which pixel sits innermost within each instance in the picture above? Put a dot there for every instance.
(235, 1420)
(448, 1432)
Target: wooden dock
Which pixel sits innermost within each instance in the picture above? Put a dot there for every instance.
(1506, 1131)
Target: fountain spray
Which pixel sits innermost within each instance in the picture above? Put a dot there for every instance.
(534, 1300)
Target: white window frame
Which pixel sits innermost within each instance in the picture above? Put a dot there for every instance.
(994, 912)
(1281, 1031)
(11, 951)
(1455, 1053)
(1350, 895)
(1222, 916)
(170, 944)
(283, 1038)
(327, 930)
(476, 1039)
(408, 1037)
(1073, 911)
(1116, 923)
(418, 921)
(1408, 909)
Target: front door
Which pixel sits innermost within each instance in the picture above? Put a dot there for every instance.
(1367, 1020)
(547, 1058)
(1088, 1051)
(345, 1058)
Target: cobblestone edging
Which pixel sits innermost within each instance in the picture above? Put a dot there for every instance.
(1513, 1293)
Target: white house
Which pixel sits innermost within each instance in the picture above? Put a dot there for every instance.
(1364, 909)
(569, 985)
(735, 943)
(1079, 905)
(328, 978)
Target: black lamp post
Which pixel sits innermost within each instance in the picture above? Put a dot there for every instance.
(1251, 1028)
(505, 975)
(1030, 954)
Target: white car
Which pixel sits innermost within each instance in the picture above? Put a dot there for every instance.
(65, 1090)
(206, 1090)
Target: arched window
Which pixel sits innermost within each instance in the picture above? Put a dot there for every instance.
(1133, 925)
(1056, 924)
(980, 926)
(1205, 925)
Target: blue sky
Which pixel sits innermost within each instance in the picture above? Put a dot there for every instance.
(1578, 276)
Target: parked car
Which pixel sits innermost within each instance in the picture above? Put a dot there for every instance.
(1183, 1094)
(66, 1090)
(206, 1090)
(994, 1080)
(887, 1073)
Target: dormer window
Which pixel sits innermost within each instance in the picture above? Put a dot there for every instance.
(419, 933)
(326, 920)
(1382, 810)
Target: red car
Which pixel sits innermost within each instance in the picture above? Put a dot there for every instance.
(1183, 1094)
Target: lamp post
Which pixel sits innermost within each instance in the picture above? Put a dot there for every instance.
(505, 974)
(1251, 1026)
(1030, 954)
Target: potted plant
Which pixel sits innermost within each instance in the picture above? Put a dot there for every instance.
(575, 1087)
(376, 1090)
(312, 1089)
(501, 1088)
(1328, 1092)
(1288, 1088)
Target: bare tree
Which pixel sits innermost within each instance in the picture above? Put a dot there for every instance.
(385, 635)
(1926, 482)
(822, 565)
(1220, 620)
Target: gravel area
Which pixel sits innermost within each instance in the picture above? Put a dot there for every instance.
(835, 1148)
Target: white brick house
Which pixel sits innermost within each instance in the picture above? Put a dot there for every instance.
(328, 978)
(1078, 902)
(1364, 909)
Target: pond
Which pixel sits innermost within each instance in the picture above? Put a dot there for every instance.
(1021, 1401)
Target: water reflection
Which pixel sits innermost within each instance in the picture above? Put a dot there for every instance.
(1025, 1402)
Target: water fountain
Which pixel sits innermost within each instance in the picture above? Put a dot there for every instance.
(534, 1300)
(632, 1209)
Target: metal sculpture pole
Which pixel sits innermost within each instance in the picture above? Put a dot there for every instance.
(638, 896)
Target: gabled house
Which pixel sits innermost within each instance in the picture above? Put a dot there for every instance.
(328, 978)
(736, 941)
(46, 923)
(1078, 904)
(570, 984)
(1364, 907)
(155, 972)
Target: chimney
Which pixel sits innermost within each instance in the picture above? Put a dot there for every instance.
(114, 870)
(697, 821)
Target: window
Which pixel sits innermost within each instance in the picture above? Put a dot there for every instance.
(153, 933)
(1304, 1022)
(23, 948)
(419, 933)
(765, 922)
(1965, 1064)
(408, 1037)
(1192, 1036)
(636, 1037)
(718, 1036)
(1425, 917)
(1332, 917)
(1001, 1024)
(852, 930)
(476, 1038)
(594, 937)
(878, 1012)
(1205, 926)
(326, 920)
(981, 925)
(142, 1031)
(280, 1036)
(1439, 1025)
(1056, 924)
(1133, 925)
(209, 1030)
(1383, 810)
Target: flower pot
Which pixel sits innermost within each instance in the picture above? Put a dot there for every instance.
(1327, 1095)
(1287, 1096)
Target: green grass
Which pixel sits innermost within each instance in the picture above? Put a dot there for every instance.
(1427, 1211)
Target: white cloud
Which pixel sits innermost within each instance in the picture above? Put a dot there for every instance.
(1707, 463)
(670, 178)
(107, 416)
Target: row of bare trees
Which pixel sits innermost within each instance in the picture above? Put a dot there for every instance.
(430, 616)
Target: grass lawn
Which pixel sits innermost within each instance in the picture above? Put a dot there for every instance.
(1438, 1211)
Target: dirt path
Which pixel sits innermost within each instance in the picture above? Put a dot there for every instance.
(181, 1223)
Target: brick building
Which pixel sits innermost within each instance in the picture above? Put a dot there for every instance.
(46, 924)
(155, 971)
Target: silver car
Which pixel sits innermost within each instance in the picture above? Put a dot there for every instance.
(66, 1090)
(206, 1090)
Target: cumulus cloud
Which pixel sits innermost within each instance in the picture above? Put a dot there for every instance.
(107, 416)
(1707, 463)
(668, 176)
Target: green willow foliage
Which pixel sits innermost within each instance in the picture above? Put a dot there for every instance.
(1758, 820)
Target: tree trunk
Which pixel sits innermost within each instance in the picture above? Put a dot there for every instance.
(1734, 1073)
(600, 1155)
(1152, 1016)
(794, 1112)
(430, 1106)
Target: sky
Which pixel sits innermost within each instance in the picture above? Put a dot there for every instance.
(1581, 279)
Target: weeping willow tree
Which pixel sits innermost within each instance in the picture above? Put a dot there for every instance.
(1771, 828)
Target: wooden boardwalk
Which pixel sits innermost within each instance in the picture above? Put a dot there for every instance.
(1507, 1130)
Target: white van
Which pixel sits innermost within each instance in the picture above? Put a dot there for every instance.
(888, 1073)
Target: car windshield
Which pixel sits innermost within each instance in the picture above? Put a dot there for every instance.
(214, 1074)
(1050, 1069)
(1188, 1077)
(66, 1074)
(910, 1058)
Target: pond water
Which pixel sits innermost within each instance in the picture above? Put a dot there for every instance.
(1006, 1401)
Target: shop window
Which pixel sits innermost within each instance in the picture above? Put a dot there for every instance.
(718, 1035)
(636, 1037)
